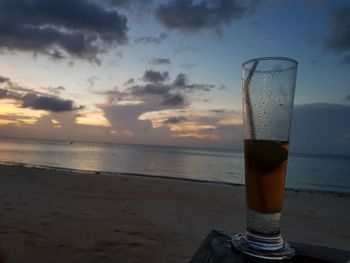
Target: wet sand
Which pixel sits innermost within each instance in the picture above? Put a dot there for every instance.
(49, 215)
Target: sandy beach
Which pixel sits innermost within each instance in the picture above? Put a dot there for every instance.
(49, 215)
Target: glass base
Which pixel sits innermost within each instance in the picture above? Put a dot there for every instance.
(266, 247)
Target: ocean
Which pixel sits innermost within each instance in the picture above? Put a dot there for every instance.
(328, 173)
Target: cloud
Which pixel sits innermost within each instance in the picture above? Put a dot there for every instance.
(153, 96)
(149, 89)
(3, 79)
(140, 7)
(30, 98)
(175, 127)
(316, 128)
(129, 128)
(158, 91)
(128, 3)
(348, 97)
(3, 93)
(219, 111)
(155, 76)
(321, 128)
(149, 107)
(157, 94)
(9, 94)
(181, 82)
(56, 90)
(202, 87)
(174, 100)
(129, 82)
(159, 61)
(138, 10)
(40, 102)
(190, 16)
(53, 104)
(339, 38)
(223, 87)
(17, 90)
(56, 55)
(80, 28)
(92, 81)
(150, 39)
(345, 60)
(207, 128)
(175, 120)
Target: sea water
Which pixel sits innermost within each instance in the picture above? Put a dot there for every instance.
(305, 171)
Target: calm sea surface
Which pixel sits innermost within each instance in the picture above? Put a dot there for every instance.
(305, 171)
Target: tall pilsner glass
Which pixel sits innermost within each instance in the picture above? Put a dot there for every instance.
(268, 94)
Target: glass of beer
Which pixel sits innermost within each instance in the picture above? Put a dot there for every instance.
(268, 95)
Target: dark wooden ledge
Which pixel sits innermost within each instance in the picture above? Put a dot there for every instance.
(216, 248)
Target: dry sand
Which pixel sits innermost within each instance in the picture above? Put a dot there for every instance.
(53, 216)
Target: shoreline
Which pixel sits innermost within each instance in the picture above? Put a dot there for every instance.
(79, 171)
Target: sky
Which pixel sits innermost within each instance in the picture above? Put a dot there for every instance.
(168, 72)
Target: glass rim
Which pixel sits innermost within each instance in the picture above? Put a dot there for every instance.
(271, 59)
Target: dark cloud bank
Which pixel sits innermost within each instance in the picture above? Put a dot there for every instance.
(191, 16)
(339, 37)
(321, 128)
(80, 28)
(29, 98)
(53, 104)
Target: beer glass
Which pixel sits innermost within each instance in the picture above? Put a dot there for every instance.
(268, 95)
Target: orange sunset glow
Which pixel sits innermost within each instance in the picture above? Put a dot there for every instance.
(12, 113)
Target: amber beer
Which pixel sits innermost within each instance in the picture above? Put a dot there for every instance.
(265, 173)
